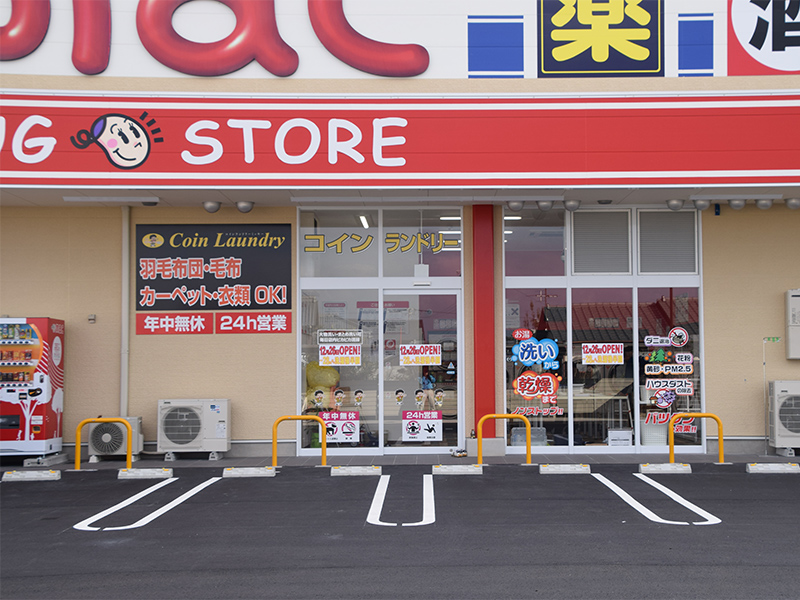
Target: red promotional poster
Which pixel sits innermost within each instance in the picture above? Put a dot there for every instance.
(32, 386)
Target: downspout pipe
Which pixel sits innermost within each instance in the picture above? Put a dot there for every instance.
(125, 312)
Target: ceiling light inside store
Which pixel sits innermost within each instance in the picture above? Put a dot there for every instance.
(449, 218)
(512, 218)
(364, 222)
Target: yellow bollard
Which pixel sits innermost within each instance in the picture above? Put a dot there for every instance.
(323, 437)
(671, 431)
(128, 459)
(527, 434)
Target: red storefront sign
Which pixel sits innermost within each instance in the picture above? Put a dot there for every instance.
(182, 323)
(253, 322)
(174, 323)
(168, 142)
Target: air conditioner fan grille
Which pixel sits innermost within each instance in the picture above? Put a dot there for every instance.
(789, 413)
(181, 425)
(107, 438)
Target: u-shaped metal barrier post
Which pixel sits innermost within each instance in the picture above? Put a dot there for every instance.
(323, 437)
(677, 416)
(527, 434)
(128, 459)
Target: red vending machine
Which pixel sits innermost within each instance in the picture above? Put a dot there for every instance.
(31, 386)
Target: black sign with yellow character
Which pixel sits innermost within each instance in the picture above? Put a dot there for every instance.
(601, 38)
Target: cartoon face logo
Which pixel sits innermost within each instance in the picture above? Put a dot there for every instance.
(358, 397)
(153, 240)
(125, 140)
(438, 396)
(399, 395)
(338, 397)
(318, 396)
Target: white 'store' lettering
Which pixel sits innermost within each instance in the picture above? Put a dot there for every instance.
(197, 135)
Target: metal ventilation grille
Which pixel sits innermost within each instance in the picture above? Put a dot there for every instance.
(789, 413)
(107, 438)
(181, 425)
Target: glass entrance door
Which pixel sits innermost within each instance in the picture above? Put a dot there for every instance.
(421, 397)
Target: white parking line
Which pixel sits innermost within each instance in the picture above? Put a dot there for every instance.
(375, 509)
(85, 524)
(428, 503)
(710, 519)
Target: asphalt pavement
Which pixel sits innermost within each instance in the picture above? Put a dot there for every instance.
(511, 532)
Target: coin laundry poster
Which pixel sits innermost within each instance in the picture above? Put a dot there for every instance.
(206, 267)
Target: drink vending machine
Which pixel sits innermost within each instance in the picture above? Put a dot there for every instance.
(31, 386)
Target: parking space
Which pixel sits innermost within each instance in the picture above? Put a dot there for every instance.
(508, 533)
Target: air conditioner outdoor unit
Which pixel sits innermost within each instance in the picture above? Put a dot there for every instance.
(784, 415)
(111, 439)
(194, 426)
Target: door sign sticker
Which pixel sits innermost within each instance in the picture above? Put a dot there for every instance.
(678, 336)
(341, 426)
(531, 385)
(420, 354)
(530, 351)
(682, 387)
(422, 426)
(602, 354)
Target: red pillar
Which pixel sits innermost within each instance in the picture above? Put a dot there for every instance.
(483, 306)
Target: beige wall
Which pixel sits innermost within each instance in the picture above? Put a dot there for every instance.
(751, 257)
(65, 263)
(270, 85)
(256, 372)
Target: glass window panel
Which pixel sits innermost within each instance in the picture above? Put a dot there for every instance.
(534, 242)
(601, 243)
(667, 242)
(429, 237)
(669, 352)
(536, 381)
(602, 369)
(337, 326)
(339, 243)
(420, 384)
